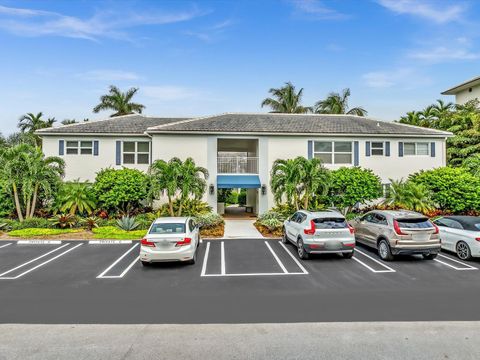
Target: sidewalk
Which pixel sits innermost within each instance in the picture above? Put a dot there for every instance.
(241, 229)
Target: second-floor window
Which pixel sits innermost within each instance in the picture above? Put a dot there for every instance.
(136, 152)
(79, 147)
(416, 148)
(334, 152)
(377, 148)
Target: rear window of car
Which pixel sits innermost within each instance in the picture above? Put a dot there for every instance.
(330, 223)
(414, 223)
(167, 228)
(477, 226)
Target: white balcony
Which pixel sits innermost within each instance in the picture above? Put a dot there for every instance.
(237, 165)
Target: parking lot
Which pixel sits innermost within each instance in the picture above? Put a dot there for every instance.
(233, 281)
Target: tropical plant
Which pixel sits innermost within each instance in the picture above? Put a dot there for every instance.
(26, 171)
(337, 103)
(472, 163)
(127, 223)
(120, 102)
(408, 195)
(64, 221)
(453, 190)
(209, 220)
(412, 118)
(90, 222)
(353, 186)
(68, 122)
(3, 226)
(76, 197)
(30, 122)
(191, 207)
(120, 190)
(286, 100)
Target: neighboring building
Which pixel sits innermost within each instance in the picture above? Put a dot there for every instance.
(239, 149)
(464, 92)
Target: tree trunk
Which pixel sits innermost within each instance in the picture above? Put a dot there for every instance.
(170, 205)
(305, 202)
(17, 203)
(34, 201)
(27, 207)
(180, 207)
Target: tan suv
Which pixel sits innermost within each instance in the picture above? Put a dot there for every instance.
(398, 232)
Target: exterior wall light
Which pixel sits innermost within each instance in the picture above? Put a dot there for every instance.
(211, 189)
(264, 189)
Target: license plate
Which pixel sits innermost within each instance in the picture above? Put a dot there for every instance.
(420, 237)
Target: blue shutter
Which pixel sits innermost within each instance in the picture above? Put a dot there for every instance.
(118, 153)
(356, 155)
(432, 149)
(61, 147)
(400, 149)
(387, 148)
(95, 148)
(368, 147)
(310, 149)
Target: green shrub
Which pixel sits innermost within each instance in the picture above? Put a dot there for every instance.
(127, 223)
(209, 220)
(64, 221)
(191, 207)
(112, 232)
(453, 189)
(6, 202)
(284, 210)
(107, 222)
(145, 220)
(90, 222)
(120, 190)
(232, 198)
(28, 232)
(242, 197)
(27, 223)
(272, 214)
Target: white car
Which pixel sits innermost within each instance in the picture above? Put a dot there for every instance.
(170, 239)
(460, 234)
(319, 233)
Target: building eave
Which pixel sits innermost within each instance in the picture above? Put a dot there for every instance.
(463, 86)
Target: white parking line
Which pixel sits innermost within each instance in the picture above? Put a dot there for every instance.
(30, 261)
(110, 242)
(39, 265)
(223, 258)
(205, 259)
(5, 245)
(276, 258)
(103, 276)
(389, 269)
(304, 271)
(467, 266)
(253, 274)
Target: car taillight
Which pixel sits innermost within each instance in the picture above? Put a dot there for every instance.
(310, 230)
(184, 242)
(349, 244)
(396, 227)
(352, 230)
(437, 230)
(478, 239)
(145, 242)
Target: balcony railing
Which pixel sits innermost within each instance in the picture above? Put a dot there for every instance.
(237, 165)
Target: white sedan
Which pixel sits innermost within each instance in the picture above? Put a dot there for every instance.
(460, 234)
(170, 239)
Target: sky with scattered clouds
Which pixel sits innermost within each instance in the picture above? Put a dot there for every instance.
(205, 57)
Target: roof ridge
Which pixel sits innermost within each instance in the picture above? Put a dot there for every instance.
(186, 121)
(89, 121)
(421, 127)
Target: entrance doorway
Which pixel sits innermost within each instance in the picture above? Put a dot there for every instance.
(239, 203)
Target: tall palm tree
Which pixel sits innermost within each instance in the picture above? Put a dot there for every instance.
(76, 197)
(30, 122)
(164, 180)
(336, 103)
(120, 102)
(285, 181)
(192, 181)
(68, 122)
(286, 100)
(315, 179)
(412, 118)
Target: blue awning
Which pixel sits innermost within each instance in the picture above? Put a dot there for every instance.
(238, 181)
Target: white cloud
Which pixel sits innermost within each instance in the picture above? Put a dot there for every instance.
(110, 24)
(444, 54)
(404, 77)
(108, 75)
(317, 10)
(168, 92)
(211, 33)
(435, 11)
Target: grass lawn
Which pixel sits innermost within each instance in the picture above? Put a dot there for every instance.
(29, 232)
(112, 232)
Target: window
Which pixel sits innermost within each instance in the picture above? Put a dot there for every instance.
(420, 148)
(333, 152)
(136, 152)
(330, 223)
(377, 148)
(415, 223)
(82, 147)
(168, 228)
(445, 222)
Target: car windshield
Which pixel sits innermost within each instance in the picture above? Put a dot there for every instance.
(168, 228)
(419, 223)
(330, 223)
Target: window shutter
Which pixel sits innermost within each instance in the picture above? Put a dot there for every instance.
(356, 155)
(432, 149)
(118, 153)
(95, 148)
(368, 148)
(400, 149)
(61, 147)
(387, 148)
(310, 149)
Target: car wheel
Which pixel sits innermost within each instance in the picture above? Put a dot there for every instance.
(348, 255)
(145, 263)
(302, 254)
(429, 256)
(284, 237)
(463, 250)
(194, 259)
(384, 250)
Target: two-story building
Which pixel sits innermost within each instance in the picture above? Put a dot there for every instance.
(239, 149)
(466, 91)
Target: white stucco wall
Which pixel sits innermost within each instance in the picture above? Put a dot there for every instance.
(85, 167)
(464, 96)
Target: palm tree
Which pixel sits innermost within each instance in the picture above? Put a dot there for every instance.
(120, 102)
(408, 195)
(164, 180)
(29, 123)
(285, 181)
(68, 122)
(315, 179)
(192, 181)
(286, 100)
(337, 103)
(441, 108)
(76, 197)
(412, 118)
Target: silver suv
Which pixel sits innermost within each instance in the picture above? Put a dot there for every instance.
(318, 233)
(398, 232)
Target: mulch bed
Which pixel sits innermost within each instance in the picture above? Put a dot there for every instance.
(277, 233)
(214, 232)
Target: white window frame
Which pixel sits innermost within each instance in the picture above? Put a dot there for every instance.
(135, 153)
(372, 148)
(333, 152)
(78, 148)
(415, 143)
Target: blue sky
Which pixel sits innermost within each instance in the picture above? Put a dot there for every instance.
(205, 57)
